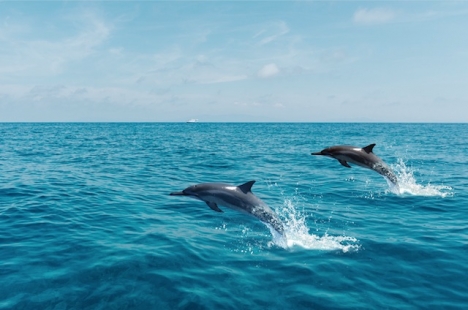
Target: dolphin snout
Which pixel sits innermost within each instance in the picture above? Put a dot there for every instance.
(317, 153)
(177, 194)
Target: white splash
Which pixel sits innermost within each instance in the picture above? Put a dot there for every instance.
(408, 184)
(297, 234)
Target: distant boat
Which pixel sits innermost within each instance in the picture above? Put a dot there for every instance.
(192, 120)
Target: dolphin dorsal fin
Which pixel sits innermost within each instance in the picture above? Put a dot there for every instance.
(246, 187)
(368, 149)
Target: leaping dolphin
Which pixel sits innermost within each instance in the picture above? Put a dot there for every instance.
(239, 198)
(363, 157)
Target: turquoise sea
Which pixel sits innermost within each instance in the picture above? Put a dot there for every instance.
(86, 220)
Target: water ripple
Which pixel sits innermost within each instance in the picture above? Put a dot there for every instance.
(86, 220)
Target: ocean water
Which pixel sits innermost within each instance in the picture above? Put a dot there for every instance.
(86, 220)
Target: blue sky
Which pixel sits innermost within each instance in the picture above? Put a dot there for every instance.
(305, 61)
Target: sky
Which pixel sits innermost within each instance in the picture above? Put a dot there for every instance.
(234, 61)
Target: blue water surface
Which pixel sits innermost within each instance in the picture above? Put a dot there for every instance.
(86, 220)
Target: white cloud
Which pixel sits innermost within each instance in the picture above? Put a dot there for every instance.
(39, 56)
(333, 56)
(269, 70)
(272, 32)
(373, 16)
(224, 79)
(50, 94)
(167, 57)
(199, 70)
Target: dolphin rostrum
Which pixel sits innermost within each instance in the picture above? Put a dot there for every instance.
(363, 157)
(239, 198)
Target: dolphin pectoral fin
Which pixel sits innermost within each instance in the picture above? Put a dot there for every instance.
(344, 163)
(213, 206)
(368, 149)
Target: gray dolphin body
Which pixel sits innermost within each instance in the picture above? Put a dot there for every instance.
(239, 198)
(363, 157)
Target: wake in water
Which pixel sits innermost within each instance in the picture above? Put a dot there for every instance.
(297, 234)
(407, 184)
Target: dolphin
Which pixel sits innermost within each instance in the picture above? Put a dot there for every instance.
(239, 198)
(363, 157)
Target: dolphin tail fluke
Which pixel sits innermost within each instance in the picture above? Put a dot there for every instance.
(392, 178)
(388, 174)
